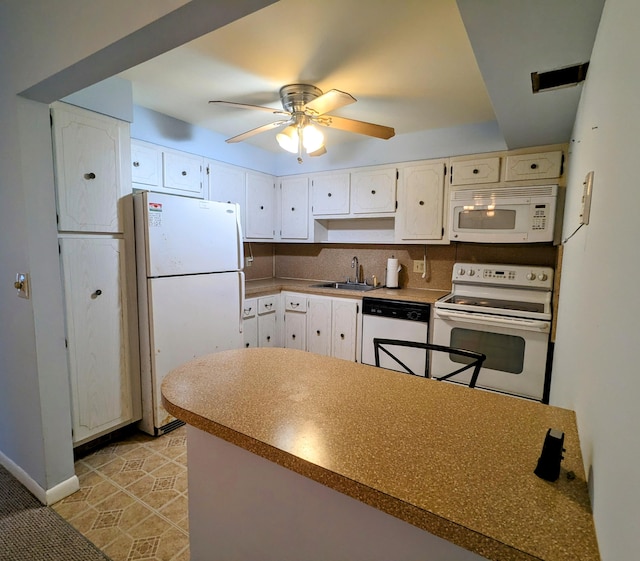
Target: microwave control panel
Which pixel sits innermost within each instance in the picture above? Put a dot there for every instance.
(539, 218)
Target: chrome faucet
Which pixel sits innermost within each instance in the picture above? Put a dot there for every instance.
(354, 263)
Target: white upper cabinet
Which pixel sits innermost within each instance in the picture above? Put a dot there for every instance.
(182, 173)
(421, 199)
(163, 170)
(294, 208)
(476, 171)
(545, 165)
(145, 164)
(91, 154)
(498, 169)
(260, 209)
(227, 184)
(330, 194)
(373, 191)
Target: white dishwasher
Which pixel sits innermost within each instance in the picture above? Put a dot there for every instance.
(395, 319)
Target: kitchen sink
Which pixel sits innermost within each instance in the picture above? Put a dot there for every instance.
(360, 287)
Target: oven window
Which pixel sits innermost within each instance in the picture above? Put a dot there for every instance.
(497, 219)
(505, 353)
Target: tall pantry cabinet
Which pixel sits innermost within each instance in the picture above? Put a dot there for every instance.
(95, 234)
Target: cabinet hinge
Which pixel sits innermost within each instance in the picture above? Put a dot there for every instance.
(445, 170)
(397, 174)
(443, 231)
(59, 248)
(357, 308)
(208, 170)
(396, 205)
(51, 120)
(451, 173)
(66, 344)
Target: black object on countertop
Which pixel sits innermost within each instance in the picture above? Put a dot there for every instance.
(548, 467)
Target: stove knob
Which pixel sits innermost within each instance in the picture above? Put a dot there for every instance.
(461, 272)
(542, 277)
(472, 273)
(531, 276)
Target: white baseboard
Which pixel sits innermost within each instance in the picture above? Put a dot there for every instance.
(45, 496)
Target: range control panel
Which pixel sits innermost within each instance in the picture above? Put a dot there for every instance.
(505, 275)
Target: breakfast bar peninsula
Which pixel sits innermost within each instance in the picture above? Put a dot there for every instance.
(297, 456)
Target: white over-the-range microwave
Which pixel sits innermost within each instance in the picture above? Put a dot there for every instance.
(524, 214)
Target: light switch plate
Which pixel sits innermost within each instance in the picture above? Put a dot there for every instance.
(585, 205)
(418, 266)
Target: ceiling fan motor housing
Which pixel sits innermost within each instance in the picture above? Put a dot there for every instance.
(295, 96)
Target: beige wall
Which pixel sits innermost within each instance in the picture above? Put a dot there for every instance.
(333, 262)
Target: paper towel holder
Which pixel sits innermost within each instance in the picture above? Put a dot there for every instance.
(393, 268)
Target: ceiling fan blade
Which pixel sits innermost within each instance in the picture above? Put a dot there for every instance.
(248, 106)
(258, 130)
(328, 101)
(360, 127)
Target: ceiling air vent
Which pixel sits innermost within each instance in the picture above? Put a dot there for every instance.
(559, 78)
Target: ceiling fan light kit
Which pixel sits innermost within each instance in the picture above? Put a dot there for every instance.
(306, 106)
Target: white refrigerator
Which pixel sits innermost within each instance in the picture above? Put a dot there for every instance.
(189, 258)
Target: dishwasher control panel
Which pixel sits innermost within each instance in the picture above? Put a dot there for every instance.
(398, 309)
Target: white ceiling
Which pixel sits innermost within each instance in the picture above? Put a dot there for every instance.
(409, 63)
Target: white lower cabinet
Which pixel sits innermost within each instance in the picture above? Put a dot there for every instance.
(268, 325)
(321, 324)
(344, 327)
(102, 346)
(250, 322)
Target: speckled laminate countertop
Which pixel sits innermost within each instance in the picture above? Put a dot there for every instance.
(453, 461)
(263, 287)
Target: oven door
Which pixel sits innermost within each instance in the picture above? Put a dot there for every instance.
(516, 350)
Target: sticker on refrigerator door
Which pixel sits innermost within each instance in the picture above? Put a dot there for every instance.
(155, 215)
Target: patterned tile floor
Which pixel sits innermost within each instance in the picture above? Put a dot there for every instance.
(132, 501)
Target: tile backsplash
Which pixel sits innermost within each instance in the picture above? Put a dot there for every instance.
(332, 262)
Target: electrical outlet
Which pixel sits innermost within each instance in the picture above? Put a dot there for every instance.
(585, 204)
(418, 266)
(248, 261)
(22, 285)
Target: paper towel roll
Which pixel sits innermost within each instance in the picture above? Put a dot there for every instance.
(393, 268)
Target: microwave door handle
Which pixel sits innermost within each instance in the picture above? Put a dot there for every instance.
(527, 324)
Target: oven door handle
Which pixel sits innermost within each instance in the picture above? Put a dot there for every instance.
(518, 323)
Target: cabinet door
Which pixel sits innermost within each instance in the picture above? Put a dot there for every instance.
(260, 215)
(330, 194)
(182, 173)
(227, 184)
(373, 191)
(319, 325)
(546, 165)
(421, 202)
(294, 208)
(102, 385)
(268, 330)
(471, 172)
(295, 326)
(91, 154)
(145, 164)
(344, 328)
(250, 322)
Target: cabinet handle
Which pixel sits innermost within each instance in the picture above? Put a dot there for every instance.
(136, 164)
(421, 203)
(318, 332)
(293, 336)
(246, 345)
(268, 337)
(293, 209)
(341, 335)
(90, 175)
(294, 304)
(534, 166)
(476, 171)
(184, 173)
(96, 293)
(268, 306)
(373, 191)
(328, 194)
(261, 207)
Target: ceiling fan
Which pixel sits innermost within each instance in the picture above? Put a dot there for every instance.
(304, 106)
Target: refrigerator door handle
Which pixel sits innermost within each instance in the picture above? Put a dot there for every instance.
(240, 243)
(242, 298)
